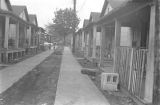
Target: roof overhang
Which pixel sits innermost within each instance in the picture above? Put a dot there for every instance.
(124, 10)
(9, 5)
(3, 12)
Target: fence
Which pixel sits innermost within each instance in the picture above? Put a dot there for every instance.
(131, 66)
(106, 57)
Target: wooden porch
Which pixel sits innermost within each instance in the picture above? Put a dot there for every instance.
(131, 54)
(33, 40)
(8, 56)
(13, 38)
(107, 46)
(86, 48)
(127, 45)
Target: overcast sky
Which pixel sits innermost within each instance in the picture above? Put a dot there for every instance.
(44, 9)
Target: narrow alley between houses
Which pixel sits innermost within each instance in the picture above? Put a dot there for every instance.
(75, 88)
(32, 81)
(79, 52)
(55, 80)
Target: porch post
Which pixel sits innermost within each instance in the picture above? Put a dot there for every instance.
(25, 36)
(102, 44)
(0, 57)
(79, 37)
(82, 40)
(79, 41)
(148, 95)
(94, 42)
(7, 18)
(85, 43)
(17, 35)
(29, 36)
(34, 37)
(38, 39)
(75, 46)
(116, 42)
(88, 41)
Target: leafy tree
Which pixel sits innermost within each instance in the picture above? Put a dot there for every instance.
(64, 22)
(51, 31)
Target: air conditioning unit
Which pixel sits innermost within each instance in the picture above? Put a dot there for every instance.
(109, 81)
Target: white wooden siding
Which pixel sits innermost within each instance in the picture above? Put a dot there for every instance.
(3, 5)
(126, 36)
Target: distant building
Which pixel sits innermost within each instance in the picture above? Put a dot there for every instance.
(94, 37)
(125, 44)
(14, 37)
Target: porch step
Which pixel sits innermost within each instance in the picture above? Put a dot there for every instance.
(108, 69)
(91, 72)
(1, 65)
(108, 63)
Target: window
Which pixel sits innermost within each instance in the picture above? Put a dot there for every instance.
(108, 78)
(114, 78)
(98, 29)
(0, 5)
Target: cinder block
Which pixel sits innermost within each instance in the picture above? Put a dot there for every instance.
(109, 81)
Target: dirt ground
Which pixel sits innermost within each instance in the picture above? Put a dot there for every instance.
(78, 54)
(114, 98)
(38, 87)
(87, 64)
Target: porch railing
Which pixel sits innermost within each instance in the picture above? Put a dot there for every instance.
(86, 50)
(131, 66)
(106, 57)
(98, 53)
(1, 42)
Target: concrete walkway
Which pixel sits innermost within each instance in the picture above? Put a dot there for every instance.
(75, 88)
(11, 74)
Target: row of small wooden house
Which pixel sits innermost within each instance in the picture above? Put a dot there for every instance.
(19, 32)
(121, 39)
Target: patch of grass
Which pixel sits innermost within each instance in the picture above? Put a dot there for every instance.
(114, 98)
(78, 54)
(87, 64)
(38, 86)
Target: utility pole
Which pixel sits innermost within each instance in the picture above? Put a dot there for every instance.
(73, 47)
(156, 91)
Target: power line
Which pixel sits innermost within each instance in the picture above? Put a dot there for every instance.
(84, 2)
(74, 7)
(69, 3)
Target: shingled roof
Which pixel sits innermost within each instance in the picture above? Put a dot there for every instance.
(128, 7)
(33, 17)
(9, 5)
(114, 4)
(85, 23)
(94, 16)
(19, 9)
